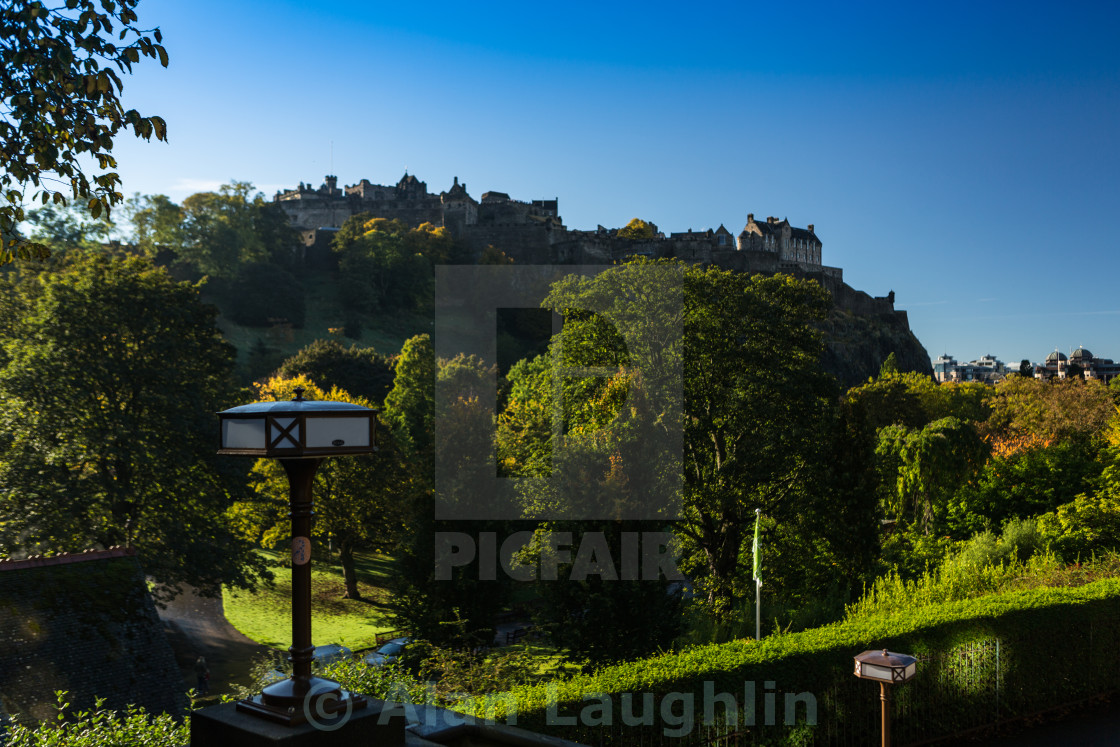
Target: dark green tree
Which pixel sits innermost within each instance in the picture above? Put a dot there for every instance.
(1025, 368)
(224, 231)
(262, 360)
(1024, 483)
(757, 408)
(357, 370)
(62, 108)
(889, 367)
(111, 375)
(265, 294)
(420, 601)
(931, 463)
(388, 267)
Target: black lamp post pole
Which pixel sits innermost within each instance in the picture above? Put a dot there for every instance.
(301, 476)
(885, 696)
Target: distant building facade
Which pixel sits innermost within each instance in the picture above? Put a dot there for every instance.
(987, 369)
(1080, 363)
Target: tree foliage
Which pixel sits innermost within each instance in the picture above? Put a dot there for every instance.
(1024, 483)
(387, 266)
(757, 408)
(265, 294)
(225, 231)
(357, 498)
(1062, 409)
(929, 464)
(420, 601)
(914, 400)
(361, 371)
(68, 227)
(61, 107)
(157, 224)
(636, 229)
(1086, 525)
(110, 378)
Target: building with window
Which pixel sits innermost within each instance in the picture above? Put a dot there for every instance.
(986, 369)
(1079, 363)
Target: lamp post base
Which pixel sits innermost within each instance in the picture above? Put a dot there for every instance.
(226, 725)
(297, 700)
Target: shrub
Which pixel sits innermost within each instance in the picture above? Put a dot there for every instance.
(1033, 674)
(101, 728)
(1087, 525)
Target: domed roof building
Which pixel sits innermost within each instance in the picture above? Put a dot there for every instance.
(1080, 363)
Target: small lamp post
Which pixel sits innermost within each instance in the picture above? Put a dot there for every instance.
(300, 433)
(887, 668)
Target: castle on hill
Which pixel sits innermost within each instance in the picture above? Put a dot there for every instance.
(533, 232)
(865, 331)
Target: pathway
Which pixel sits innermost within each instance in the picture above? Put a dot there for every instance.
(196, 626)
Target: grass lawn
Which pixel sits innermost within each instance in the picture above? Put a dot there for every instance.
(266, 616)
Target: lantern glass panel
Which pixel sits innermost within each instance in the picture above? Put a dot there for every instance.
(877, 672)
(325, 432)
(243, 434)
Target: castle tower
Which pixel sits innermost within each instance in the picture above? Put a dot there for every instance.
(459, 209)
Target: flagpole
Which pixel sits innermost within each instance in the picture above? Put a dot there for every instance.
(758, 609)
(757, 580)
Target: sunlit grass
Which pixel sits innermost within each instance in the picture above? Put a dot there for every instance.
(266, 615)
(953, 581)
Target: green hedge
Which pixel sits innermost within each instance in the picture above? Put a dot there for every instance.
(983, 660)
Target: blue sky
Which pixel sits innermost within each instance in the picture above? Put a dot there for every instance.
(964, 157)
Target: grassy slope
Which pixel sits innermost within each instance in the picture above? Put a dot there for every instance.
(265, 616)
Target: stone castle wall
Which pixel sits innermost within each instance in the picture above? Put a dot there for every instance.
(533, 233)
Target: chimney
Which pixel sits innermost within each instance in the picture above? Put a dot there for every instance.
(811, 228)
(750, 217)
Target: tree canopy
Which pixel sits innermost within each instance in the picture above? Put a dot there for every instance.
(387, 266)
(636, 229)
(756, 406)
(61, 105)
(110, 377)
(356, 370)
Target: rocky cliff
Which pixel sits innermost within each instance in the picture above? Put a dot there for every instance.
(857, 344)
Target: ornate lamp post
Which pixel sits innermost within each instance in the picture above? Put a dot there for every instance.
(300, 433)
(887, 668)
